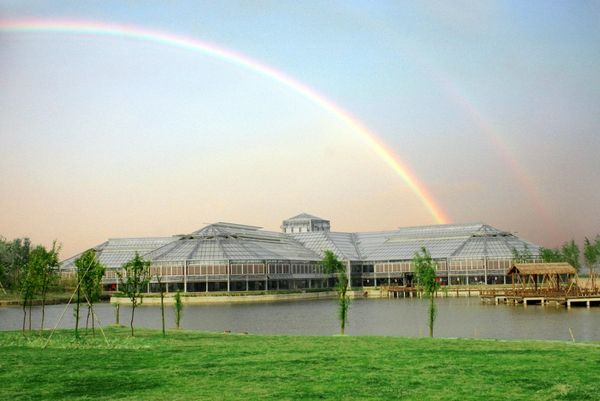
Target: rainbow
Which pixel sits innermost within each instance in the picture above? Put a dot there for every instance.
(227, 55)
(526, 182)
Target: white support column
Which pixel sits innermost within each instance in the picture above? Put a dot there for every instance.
(185, 268)
(485, 268)
(228, 275)
(349, 273)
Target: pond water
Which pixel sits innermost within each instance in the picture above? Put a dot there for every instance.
(457, 317)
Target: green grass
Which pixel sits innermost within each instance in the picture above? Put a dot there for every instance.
(202, 366)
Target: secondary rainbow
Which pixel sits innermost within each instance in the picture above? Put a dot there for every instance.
(188, 43)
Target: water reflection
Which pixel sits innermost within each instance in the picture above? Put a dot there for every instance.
(462, 317)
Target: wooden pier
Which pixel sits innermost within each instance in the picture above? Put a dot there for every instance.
(541, 298)
(401, 292)
(544, 284)
(415, 292)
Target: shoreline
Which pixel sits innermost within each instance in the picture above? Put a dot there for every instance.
(241, 297)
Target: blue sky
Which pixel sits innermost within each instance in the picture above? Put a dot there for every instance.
(493, 105)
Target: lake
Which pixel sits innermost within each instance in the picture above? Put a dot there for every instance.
(457, 317)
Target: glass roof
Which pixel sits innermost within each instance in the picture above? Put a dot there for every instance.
(116, 251)
(442, 241)
(227, 241)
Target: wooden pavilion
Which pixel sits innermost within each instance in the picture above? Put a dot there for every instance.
(544, 283)
(557, 278)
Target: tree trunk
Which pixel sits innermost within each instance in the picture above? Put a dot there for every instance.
(43, 307)
(30, 305)
(77, 304)
(117, 307)
(93, 325)
(87, 320)
(132, 313)
(431, 314)
(24, 315)
(162, 309)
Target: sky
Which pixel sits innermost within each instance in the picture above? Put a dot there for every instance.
(375, 115)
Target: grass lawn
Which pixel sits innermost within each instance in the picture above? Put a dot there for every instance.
(201, 366)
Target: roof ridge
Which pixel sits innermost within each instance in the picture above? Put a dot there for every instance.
(304, 215)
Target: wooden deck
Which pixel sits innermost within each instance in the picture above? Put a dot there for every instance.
(400, 292)
(415, 292)
(543, 296)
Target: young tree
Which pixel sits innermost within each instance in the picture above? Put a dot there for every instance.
(14, 256)
(27, 288)
(524, 256)
(4, 258)
(332, 265)
(426, 277)
(551, 255)
(570, 252)
(178, 308)
(44, 264)
(162, 303)
(591, 253)
(90, 282)
(36, 275)
(84, 265)
(134, 281)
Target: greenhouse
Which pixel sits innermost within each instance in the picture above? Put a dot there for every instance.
(235, 257)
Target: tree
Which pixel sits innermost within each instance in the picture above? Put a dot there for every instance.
(4, 257)
(134, 281)
(551, 255)
(332, 265)
(89, 278)
(524, 256)
(44, 264)
(426, 277)
(591, 253)
(162, 303)
(178, 308)
(27, 288)
(570, 252)
(35, 276)
(83, 265)
(14, 256)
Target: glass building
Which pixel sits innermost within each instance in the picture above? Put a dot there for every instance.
(235, 257)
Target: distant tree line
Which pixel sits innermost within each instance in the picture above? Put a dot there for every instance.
(14, 256)
(29, 271)
(32, 272)
(569, 252)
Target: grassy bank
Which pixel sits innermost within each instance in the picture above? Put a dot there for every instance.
(14, 298)
(190, 365)
(54, 297)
